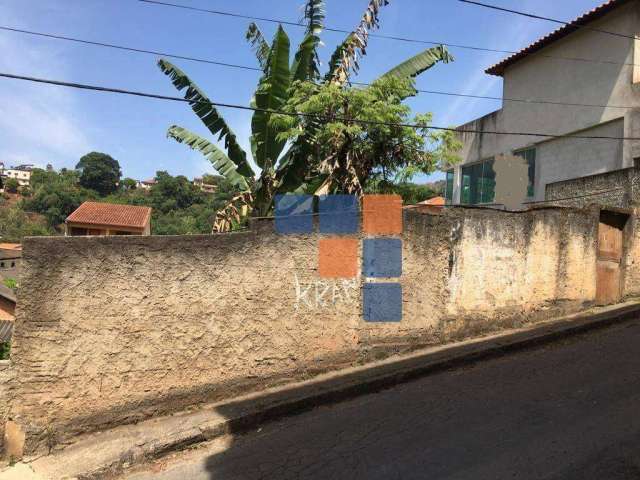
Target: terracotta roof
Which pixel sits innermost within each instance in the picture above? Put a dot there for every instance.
(598, 12)
(436, 201)
(7, 293)
(6, 330)
(96, 213)
(11, 246)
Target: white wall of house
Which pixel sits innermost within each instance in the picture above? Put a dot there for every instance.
(22, 176)
(539, 77)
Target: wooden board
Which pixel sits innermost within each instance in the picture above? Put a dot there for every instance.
(607, 282)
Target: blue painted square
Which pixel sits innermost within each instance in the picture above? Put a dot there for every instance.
(382, 257)
(294, 214)
(382, 302)
(339, 214)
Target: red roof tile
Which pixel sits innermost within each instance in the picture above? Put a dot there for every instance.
(96, 213)
(598, 12)
(436, 201)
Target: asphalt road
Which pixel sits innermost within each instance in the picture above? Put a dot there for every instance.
(569, 410)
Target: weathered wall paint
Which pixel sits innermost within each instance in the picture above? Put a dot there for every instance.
(6, 382)
(116, 329)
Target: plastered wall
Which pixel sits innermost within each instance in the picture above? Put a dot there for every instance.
(116, 329)
(6, 382)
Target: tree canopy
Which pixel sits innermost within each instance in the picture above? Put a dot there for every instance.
(99, 172)
(313, 153)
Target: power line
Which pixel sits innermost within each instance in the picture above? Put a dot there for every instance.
(378, 35)
(574, 25)
(519, 100)
(302, 114)
(256, 69)
(129, 49)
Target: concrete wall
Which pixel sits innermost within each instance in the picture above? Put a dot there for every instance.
(6, 382)
(116, 329)
(618, 190)
(612, 189)
(538, 77)
(512, 263)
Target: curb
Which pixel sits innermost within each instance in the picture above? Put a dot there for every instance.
(106, 454)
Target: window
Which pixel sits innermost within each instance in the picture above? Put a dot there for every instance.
(530, 157)
(448, 191)
(478, 183)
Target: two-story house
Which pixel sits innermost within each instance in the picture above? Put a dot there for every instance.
(578, 81)
(22, 173)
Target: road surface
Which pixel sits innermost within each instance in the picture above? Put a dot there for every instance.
(568, 410)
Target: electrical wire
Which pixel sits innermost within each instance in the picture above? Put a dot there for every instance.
(257, 69)
(304, 114)
(573, 24)
(374, 35)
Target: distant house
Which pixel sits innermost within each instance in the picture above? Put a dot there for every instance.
(21, 173)
(205, 187)
(10, 260)
(94, 218)
(432, 206)
(7, 313)
(435, 201)
(146, 184)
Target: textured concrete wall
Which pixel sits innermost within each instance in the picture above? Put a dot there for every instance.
(611, 189)
(6, 383)
(116, 329)
(619, 189)
(513, 263)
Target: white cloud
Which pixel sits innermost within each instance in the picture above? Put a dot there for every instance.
(38, 123)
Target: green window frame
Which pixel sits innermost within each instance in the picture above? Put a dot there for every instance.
(478, 183)
(448, 191)
(529, 156)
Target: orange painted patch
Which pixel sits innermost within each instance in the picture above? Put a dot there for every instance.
(338, 257)
(382, 214)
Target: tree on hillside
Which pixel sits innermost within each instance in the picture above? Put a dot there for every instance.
(99, 172)
(16, 224)
(173, 193)
(11, 185)
(55, 195)
(304, 164)
(128, 184)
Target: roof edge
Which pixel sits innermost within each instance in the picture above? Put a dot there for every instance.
(592, 15)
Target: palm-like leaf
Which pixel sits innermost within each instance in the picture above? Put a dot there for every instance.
(207, 112)
(336, 59)
(260, 46)
(220, 161)
(420, 63)
(306, 64)
(272, 94)
(355, 45)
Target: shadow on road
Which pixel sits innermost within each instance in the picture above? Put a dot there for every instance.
(564, 411)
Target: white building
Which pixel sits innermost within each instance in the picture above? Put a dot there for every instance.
(597, 73)
(21, 173)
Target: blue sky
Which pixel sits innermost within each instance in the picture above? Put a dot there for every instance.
(43, 124)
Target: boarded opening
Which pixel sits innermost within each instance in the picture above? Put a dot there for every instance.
(609, 259)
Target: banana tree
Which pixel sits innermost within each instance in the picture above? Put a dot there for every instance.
(285, 166)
